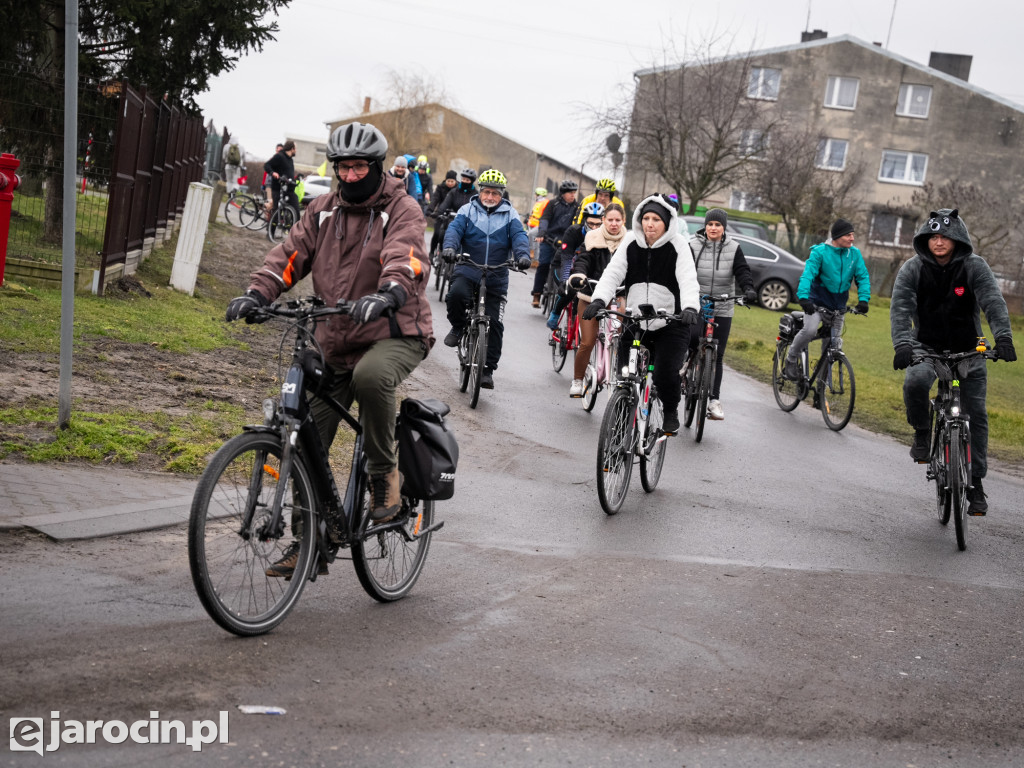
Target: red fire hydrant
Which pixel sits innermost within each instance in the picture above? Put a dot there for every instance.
(9, 181)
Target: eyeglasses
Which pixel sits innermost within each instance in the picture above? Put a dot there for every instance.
(593, 224)
(359, 169)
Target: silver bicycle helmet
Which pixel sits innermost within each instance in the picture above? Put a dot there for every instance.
(357, 141)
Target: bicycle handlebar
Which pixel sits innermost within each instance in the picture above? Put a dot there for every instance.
(952, 358)
(308, 307)
(466, 259)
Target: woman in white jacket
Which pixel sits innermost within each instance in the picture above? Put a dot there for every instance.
(655, 264)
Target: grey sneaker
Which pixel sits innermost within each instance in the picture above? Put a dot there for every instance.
(452, 339)
(976, 496)
(791, 370)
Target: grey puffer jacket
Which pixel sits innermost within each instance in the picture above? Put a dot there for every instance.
(720, 267)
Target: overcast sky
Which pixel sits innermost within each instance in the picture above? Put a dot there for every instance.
(524, 68)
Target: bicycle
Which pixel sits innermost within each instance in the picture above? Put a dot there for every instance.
(271, 487)
(244, 210)
(472, 347)
(603, 372)
(566, 335)
(549, 292)
(949, 457)
(831, 381)
(284, 215)
(631, 427)
(442, 269)
(699, 369)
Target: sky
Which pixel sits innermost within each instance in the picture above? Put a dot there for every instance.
(530, 70)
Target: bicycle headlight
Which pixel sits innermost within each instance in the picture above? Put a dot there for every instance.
(269, 409)
(625, 371)
(954, 410)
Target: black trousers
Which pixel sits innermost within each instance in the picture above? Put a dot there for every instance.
(462, 296)
(668, 350)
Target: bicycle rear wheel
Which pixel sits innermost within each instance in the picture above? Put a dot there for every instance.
(446, 276)
(787, 392)
(838, 391)
(707, 370)
(959, 479)
(233, 208)
(590, 386)
(653, 457)
(388, 563)
(615, 451)
(229, 546)
(560, 350)
(281, 222)
(476, 366)
(254, 215)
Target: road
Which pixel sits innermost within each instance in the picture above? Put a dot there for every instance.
(785, 597)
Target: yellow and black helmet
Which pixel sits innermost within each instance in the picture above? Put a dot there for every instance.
(606, 185)
(492, 178)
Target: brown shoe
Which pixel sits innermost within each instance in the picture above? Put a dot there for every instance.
(385, 496)
(286, 565)
(536, 301)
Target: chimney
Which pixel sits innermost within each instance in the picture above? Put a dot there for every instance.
(818, 34)
(366, 105)
(956, 64)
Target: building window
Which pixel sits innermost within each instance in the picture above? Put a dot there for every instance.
(435, 121)
(742, 201)
(841, 92)
(903, 167)
(764, 83)
(832, 154)
(892, 229)
(753, 143)
(914, 100)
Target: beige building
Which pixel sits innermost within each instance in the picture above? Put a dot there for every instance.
(310, 152)
(451, 141)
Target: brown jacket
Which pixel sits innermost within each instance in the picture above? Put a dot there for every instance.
(351, 251)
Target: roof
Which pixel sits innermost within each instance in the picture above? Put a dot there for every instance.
(855, 41)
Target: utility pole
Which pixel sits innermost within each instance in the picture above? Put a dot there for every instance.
(67, 292)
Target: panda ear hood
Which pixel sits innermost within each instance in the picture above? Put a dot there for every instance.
(946, 222)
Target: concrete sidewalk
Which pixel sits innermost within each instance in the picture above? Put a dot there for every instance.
(82, 502)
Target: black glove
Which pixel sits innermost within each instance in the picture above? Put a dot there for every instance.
(689, 317)
(750, 296)
(523, 263)
(808, 306)
(577, 281)
(245, 305)
(862, 307)
(448, 255)
(593, 308)
(369, 308)
(1005, 350)
(901, 360)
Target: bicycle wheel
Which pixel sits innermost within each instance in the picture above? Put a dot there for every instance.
(691, 373)
(233, 208)
(615, 451)
(959, 478)
(389, 562)
(281, 222)
(254, 216)
(939, 474)
(476, 366)
(467, 349)
(787, 393)
(590, 386)
(654, 449)
(446, 275)
(838, 391)
(560, 350)
(707, 370)
(229, 548)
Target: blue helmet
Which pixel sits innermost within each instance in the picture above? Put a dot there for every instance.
(593, 211)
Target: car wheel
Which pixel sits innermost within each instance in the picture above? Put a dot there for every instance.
(774, 295)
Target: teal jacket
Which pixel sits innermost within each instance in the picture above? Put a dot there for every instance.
(830, 272)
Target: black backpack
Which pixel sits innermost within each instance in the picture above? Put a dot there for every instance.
(427, 450)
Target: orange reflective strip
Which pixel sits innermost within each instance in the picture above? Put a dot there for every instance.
(289, 272)
(416, 264)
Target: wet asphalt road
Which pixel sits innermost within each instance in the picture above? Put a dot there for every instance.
(785, 597)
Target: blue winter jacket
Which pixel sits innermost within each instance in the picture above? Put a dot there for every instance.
(830, 272)
(489, 238)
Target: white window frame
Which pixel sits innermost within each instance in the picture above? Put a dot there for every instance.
(742, 201)
(906, 97)
(756, 90)
(753, 142)
(825, 151)
(832, 88)
(895, 242)
(908, 168)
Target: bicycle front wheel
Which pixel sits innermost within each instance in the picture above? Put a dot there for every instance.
(467, 348)
(254, 214)
(707, 370)
(838, 391)
(389, 562)
(787, 392)
(476, 366)
(560, 350)
(615, 451)
(230, 545)
(959, 478)
(281, 222)
(654, 448)
(939, 475)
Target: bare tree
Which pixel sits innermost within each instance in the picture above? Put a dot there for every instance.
(691, 123)
(788, 179)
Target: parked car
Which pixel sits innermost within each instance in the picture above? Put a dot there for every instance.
(776, 271)
(748, 228)
(316, 186)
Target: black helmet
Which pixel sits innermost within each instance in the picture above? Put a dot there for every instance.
(357, 141)
(469, 173)
(567, 186)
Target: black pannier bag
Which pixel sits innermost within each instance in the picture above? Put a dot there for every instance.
(790, 325)
(427, 450)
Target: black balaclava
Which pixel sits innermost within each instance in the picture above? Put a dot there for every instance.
(464, 187)
(361, 191)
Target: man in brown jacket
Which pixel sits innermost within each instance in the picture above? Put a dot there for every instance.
(364, 243)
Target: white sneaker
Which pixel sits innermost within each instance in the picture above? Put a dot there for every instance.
(715, 410)
(576, 390)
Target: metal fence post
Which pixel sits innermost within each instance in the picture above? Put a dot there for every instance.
(9, 181)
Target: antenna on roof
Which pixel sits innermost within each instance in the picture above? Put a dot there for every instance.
(891, 19)
(807, 26)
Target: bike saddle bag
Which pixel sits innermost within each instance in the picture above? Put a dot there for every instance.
(790, 325)
(428, 452)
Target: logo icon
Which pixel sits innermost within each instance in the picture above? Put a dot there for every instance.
(959, 290)
(25, 731)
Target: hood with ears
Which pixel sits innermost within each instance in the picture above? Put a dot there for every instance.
(947, 222)
(671, 215)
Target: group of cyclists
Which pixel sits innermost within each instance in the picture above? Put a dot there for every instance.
(365, 242)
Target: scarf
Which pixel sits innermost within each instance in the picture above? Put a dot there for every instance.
(601, 238)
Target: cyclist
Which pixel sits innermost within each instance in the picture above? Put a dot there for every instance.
(461, 195)
(935, 307)
(831, 269)
(570, 245)
(489, 229)
(655, 263)
(540, 196)
(720, 266)
(425, 179)
(557, 217)
(440, 193)
(265, 184)
(279, 167)
(363, 242)
(400, 171)
(598, 247)
(604, 193)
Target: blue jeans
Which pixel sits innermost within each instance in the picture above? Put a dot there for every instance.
(973, 388)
